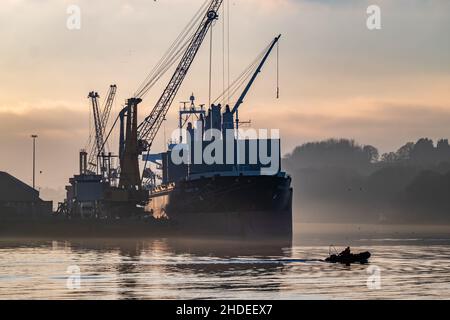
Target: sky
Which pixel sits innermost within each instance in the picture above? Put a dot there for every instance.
(337, 78)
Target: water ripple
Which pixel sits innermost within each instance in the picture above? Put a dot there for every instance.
(163, 269)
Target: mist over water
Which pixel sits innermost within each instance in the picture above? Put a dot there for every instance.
(409, 267)
(341, 181)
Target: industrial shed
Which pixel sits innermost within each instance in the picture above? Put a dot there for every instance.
(18, 199)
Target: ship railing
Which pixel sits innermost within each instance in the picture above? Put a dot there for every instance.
(162, 188)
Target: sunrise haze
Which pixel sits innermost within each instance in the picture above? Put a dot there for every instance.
(337, 78)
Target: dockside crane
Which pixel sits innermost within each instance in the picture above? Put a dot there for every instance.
(100, 117)
(136, 139)
(106, 111)
(94, 96)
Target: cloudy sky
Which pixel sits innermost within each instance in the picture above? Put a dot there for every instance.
(338, 79)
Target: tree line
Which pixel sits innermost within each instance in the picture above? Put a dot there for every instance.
(339, 180)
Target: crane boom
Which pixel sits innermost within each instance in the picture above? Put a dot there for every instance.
(134, 138)
(148, 129)
(255, 75)
(101, 117)
(97, 121)
(105, 113)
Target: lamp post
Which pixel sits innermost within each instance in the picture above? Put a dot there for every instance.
(34, 136)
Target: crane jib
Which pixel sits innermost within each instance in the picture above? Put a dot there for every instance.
(135, 139)
(148, 129)
(97, 121)
(255, 75)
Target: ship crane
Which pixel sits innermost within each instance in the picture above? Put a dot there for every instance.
(136, 139)
(235, 110)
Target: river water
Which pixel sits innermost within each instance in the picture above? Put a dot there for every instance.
(206, 269)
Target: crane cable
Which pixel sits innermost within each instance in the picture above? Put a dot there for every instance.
(210, 64)
(161, 70)
(89, 140)
(172, 49)
(278, 70)
(188, 47)
(240, 80)
(172, 54)
(228, 46)
(111, 130)
(223, 49)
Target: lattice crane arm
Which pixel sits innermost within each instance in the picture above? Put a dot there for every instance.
(93, 96)
(148, 129)
(106, 112)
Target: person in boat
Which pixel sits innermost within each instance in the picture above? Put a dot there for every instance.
(346, 252)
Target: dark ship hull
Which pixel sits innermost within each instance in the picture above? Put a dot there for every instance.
(242, 206)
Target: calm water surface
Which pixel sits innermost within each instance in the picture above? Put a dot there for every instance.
(187, 269)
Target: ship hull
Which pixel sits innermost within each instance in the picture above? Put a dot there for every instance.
(250, 208)
(243, 206)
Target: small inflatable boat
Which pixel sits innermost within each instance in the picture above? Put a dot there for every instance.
(347, 258)
(362, 258)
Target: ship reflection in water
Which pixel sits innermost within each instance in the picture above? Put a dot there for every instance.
(199, 269)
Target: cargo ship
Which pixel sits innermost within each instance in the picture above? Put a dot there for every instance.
(238, 195)
(241, 197)
(215, 180)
